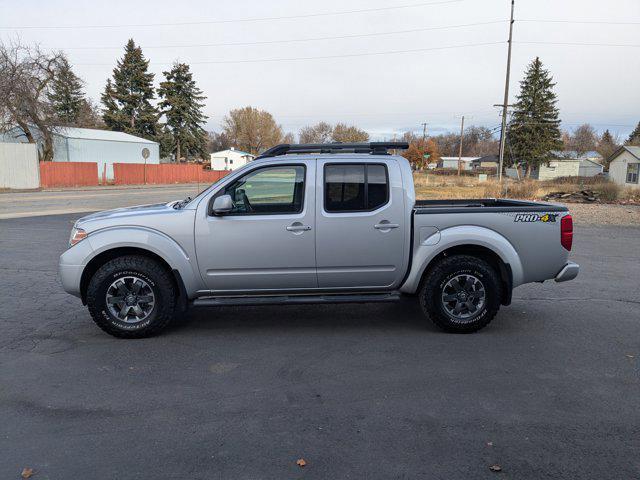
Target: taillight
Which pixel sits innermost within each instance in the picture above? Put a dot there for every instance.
(566, 232)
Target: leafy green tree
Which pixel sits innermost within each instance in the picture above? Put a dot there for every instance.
(634, 137)
(182, 103)
(127, 98)
(66, 93)
(534, 129)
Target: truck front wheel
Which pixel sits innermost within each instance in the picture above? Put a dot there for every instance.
(461, 294)
(131, 297)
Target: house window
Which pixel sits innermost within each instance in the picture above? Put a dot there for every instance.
(633, 169)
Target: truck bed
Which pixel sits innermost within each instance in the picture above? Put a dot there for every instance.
(483, 205)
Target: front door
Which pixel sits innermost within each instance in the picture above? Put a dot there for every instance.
(360, 224)
(267, 242)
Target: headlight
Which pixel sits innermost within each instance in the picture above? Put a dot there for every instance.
(77, 234)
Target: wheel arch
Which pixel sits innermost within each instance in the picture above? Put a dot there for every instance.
(484, 253)
(109, 254)
(468, 240)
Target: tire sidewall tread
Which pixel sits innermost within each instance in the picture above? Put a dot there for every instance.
(151, 272)
(441, 273)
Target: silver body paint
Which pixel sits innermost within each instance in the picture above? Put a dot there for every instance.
(336, 252)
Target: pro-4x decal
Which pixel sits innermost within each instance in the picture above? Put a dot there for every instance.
(536, 217)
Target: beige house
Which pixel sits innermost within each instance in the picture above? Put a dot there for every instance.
(624, 168)
(569, 164)
(561, 167)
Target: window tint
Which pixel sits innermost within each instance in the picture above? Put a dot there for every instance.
(377, 186)
(352, 188)
(272, 190)
(344, 188)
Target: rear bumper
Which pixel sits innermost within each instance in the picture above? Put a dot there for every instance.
(568, 272)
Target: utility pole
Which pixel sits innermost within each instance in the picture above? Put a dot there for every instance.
(424, 131)
(460, 149)
(503, 133)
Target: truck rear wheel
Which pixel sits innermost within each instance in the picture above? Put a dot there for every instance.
(131, 297)
(461, 294)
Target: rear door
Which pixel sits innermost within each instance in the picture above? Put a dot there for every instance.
(268, 241)
(360, 223)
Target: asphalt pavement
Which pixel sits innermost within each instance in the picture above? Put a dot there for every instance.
(90, 199)
(549, 389)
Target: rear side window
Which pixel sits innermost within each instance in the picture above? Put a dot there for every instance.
(355, 187)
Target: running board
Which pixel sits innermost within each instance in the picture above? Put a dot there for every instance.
(295, 299)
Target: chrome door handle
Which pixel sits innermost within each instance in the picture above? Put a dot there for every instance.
(298, 228)
(385, 226)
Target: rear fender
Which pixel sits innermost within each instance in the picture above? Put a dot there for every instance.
(426, 251)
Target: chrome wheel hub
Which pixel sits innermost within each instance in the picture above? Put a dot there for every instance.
(130, 299)
(463, 296)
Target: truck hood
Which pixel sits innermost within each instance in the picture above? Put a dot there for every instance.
(127, 212)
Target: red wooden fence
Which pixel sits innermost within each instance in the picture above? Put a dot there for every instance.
(136, 173)
(68, 174)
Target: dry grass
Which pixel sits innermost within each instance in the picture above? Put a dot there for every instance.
(439, 186)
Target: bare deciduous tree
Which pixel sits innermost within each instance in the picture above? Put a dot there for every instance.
(26, 76)
(319, 133)
(348, 133)
(584, 139)
(252, 130)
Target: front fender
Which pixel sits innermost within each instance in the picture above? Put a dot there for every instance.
(147, 239)
(426, 250)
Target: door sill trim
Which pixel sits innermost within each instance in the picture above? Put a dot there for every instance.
(295, 299)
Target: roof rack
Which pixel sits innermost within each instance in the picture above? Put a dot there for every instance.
(374, 148)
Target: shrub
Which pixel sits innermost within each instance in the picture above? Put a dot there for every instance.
(608, 191)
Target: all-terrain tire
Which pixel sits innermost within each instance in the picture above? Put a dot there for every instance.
(436, 282)
(157, 278)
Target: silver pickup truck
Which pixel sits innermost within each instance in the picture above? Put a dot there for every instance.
(328, 223)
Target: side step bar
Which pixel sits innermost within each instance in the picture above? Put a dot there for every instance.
(295, 299)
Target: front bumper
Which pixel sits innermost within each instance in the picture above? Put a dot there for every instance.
(568, 272)
(71, 265)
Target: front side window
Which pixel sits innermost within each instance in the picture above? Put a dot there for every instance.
(633, 169)
(355, 187)
(271, 190)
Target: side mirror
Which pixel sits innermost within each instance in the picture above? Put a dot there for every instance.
(222, 204)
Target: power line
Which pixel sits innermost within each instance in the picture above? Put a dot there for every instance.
(238, 20)
(309, 39)
(323, 57)
(585, 22)
(583, 44)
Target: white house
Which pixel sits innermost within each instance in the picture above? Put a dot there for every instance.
(624, 168)
(452, 162)
(230, 159)
(104, 147)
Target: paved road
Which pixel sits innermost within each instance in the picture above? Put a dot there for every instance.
(549, 390)
(31, 204)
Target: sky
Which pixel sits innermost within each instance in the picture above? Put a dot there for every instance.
(394, 65)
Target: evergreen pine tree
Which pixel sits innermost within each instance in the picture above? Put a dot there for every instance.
(66, 94)
(182, 103)
(634, 137)
(127, 98)
(534, 129)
